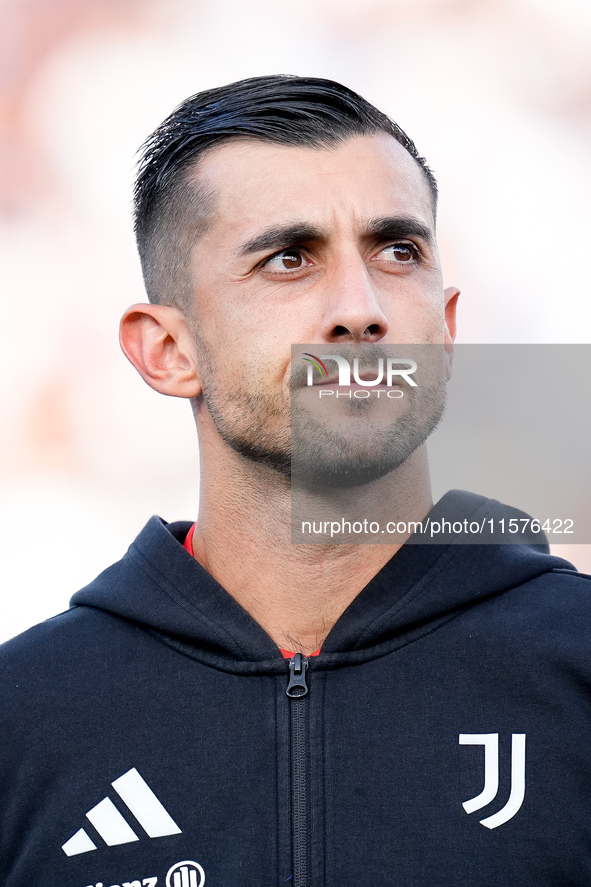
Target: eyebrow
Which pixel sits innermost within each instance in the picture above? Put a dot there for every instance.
(384, 228)
(281, 236)
(395, 227)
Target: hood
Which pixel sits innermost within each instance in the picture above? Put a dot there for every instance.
(158, 585)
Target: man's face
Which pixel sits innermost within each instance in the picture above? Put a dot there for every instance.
(332, 246)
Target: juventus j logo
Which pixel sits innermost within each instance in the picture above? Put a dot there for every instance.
(490, 741)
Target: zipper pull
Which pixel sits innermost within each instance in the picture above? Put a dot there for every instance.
(297, 676)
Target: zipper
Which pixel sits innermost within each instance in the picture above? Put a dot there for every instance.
(297, 690)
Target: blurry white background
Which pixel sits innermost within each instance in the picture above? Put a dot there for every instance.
(497, 96)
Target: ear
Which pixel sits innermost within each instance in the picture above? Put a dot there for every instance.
(158, 341)
(451, 295)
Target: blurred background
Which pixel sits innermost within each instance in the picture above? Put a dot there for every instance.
(495, 93)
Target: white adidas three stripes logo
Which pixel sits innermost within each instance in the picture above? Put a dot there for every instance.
(139, 798)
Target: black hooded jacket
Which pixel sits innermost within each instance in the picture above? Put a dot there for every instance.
(442, 736)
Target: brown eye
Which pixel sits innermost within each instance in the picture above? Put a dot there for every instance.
(291, 260)
(403, 253)
(286, 260)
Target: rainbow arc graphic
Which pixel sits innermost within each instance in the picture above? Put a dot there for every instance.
(315, 361)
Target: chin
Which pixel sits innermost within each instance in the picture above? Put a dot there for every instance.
(351, 467)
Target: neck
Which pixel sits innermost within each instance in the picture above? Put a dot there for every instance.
(296, 592)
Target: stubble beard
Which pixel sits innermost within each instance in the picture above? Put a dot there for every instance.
(325, 457)
(255, 424)
(258, 426)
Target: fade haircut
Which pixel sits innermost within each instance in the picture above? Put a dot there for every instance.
(172, 208)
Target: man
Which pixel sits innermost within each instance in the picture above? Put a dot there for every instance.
(226, 707)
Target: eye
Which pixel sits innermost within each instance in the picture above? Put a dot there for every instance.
(286, 260)
(400, 253)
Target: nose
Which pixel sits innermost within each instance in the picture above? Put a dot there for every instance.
(353, 311)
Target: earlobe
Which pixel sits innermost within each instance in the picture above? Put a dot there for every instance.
(158, 341)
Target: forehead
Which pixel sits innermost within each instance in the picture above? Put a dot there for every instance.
(258, 183)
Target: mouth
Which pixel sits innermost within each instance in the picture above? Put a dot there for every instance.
(368, 378)
(330, 381)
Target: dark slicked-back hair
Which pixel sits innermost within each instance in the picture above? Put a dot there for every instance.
(172, 207)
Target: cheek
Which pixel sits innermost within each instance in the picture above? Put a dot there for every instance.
(245, 352)
(227, 310)
(426, 328)
(221, 319)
